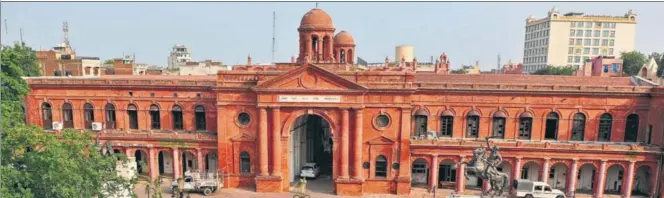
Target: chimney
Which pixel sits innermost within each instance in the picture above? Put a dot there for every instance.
(249, 60)
(436, 66)
(387, 62)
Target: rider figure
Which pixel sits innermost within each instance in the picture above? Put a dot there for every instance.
(493, 160)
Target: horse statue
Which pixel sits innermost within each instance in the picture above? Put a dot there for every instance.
(484, 167)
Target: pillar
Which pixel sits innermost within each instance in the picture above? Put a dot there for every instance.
(262, 142)
(629, 181)
(200, 157)
(571, 177)
(276, 142)
(153, 163)
(601, 180)
(357, 136)
(433, 176)
(516, 172)
(344, 143)
(176, 164)
(657, 180)
(546, 167)
(461, 178)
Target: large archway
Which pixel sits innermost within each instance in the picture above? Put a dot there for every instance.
(558, 176)
(586, 179)
(530, 171)
(165, 163)
(142, 162)
(312, 143)
(614, 179)
(642, 181)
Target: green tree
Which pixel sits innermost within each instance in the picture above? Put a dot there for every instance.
(556, 70)
(16, 61)
(459, 71)
(632, 62)
(67, 164)
(109, 61)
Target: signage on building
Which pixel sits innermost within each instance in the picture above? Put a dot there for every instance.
(296, 98)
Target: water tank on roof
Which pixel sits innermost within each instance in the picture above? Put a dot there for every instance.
(404, 51)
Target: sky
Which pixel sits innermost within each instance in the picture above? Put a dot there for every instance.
(230, 31)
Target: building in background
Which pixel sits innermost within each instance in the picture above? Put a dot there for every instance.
(207, 67)
(120, 66)
(571, 38)
(472, 69)
(512, 68)
(405, 52)
(179, 56)
(605, 66)
(649, 70)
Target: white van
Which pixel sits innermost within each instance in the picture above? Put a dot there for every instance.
(533, 189)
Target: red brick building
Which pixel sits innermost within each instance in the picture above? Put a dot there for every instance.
(380, 131)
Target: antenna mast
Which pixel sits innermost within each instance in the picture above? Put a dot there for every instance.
(21, 34)
(6, 31)
(274, 27)
(65, 29)
(498, 66)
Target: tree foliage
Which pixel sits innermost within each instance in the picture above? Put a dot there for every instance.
(459, 71)
(109, 61)
(632, 62)
(556, 70)
(36, 163)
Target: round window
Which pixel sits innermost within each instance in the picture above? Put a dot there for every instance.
(244, 119)
(382, 120)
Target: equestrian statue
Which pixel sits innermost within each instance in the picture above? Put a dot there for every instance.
(484, 166)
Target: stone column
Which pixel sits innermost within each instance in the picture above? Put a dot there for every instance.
(200, 160)
(433, 170)
(357, 146)
(516, 173)
(153, 163)
(262, 142)
(276, 142)
(460, 177)
(344, 143)
(629, 181)
(546, 167)
(571, 177)
(657, 180)
(176, 164)
(601, 180)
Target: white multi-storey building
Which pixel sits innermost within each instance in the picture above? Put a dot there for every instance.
(179, 56)
(570, 39)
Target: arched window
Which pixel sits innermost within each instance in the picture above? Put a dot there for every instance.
(381, 167)
(132, 112)
(446, 124)
(245, 163)
(342, 56)
(551, 131)
(499, 124)
(67, 116)
(177, 117)
(110, 116)
(47, 116)
(473, 124)
(605, 123)
(579, 127)
(349, 54)
(525, 125)
(200, 118)
(421, 122)
(88, 115)
(632, 128)
(314, 47)
(155, 118)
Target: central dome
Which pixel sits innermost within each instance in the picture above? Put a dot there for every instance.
(316, 18)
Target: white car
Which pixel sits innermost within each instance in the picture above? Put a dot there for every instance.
(533, 189)
(309, 170)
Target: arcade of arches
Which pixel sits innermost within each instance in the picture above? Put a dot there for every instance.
(389, 130)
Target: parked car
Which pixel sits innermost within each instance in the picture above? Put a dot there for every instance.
(534, 189)
(198, 182)
(309, 170)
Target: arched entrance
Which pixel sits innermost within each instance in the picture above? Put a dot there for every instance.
(420, 173)
(642, 181)
(614, 179)
(142, 162)
(165, 163)
(558, 176)
(530, 171)
(311, 147)
(188, 161)
(211, 162)
(447, 174)
(586, 179)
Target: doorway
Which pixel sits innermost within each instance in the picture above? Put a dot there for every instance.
(312, 142)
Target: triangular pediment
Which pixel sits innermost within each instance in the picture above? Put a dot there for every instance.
(243, 137)
(309, 77)
(382, 140)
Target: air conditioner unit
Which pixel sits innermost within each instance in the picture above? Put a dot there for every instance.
(96, 126)
(57, 125)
